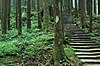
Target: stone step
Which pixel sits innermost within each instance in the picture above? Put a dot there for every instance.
(71, 25)
(88, 56)
(91, 61)
(83, 44)
(82, 41)
(86, 47)
(76, 30)
(81, 34)
(72, 35)
(72, 28)
(84, 37)
(87, 53)
(87, 50)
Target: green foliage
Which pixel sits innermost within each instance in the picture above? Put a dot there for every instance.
(1, 64)
(98, 27)
(97, 17)
(27, 44)
(24, 15)
(13, 22)
(7, 48)
(13, 17)
(77, 21)
(69, 51)
(95, 36)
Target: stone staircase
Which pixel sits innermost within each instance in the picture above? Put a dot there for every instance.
(87, 50)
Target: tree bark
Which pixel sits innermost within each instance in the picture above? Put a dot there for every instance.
(76, 9)
(19, 17)
(69, 6)
(90, 14)
(28, 14)
(61, 15)
(98, 7)
(0, 8)
(65, 4)
(9, 9)
(16, 14)
(58, 50)
(33, 5)
(88, 6)
(82, 11)
(4, 16)
(39, 14)
(79, 4)
(95, 6)
(45, 15)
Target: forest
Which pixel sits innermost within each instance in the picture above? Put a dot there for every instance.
(49, 32)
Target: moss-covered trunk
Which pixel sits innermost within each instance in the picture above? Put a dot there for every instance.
(39, 14)
(9, 10)
(82, 14)
(28, 14)
(45, 15)
(58, 49)
(19, 13)
(4, 16)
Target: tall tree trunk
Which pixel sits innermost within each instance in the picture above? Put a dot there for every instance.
(79, 6)
(16, 14)
(98, 6)
(39, 15)
(0, 9)
(45, 15)
(19, 17)
(87, 6)
(90, 13)
(28, 14)
(4, 16)
(33, 4)
(61, 15)
(13, 3)
(95, 6)
(58, 49)
(65, 4)
(9, 9)
(76, 9)
(1, 13)
(23, 2)
(69, 6)
(82, 11)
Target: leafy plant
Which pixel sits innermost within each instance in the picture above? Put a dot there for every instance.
(8, 49)
(69, 51)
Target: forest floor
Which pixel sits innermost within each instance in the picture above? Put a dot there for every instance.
(31, 48)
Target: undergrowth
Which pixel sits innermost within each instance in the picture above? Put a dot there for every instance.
(26, 45)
